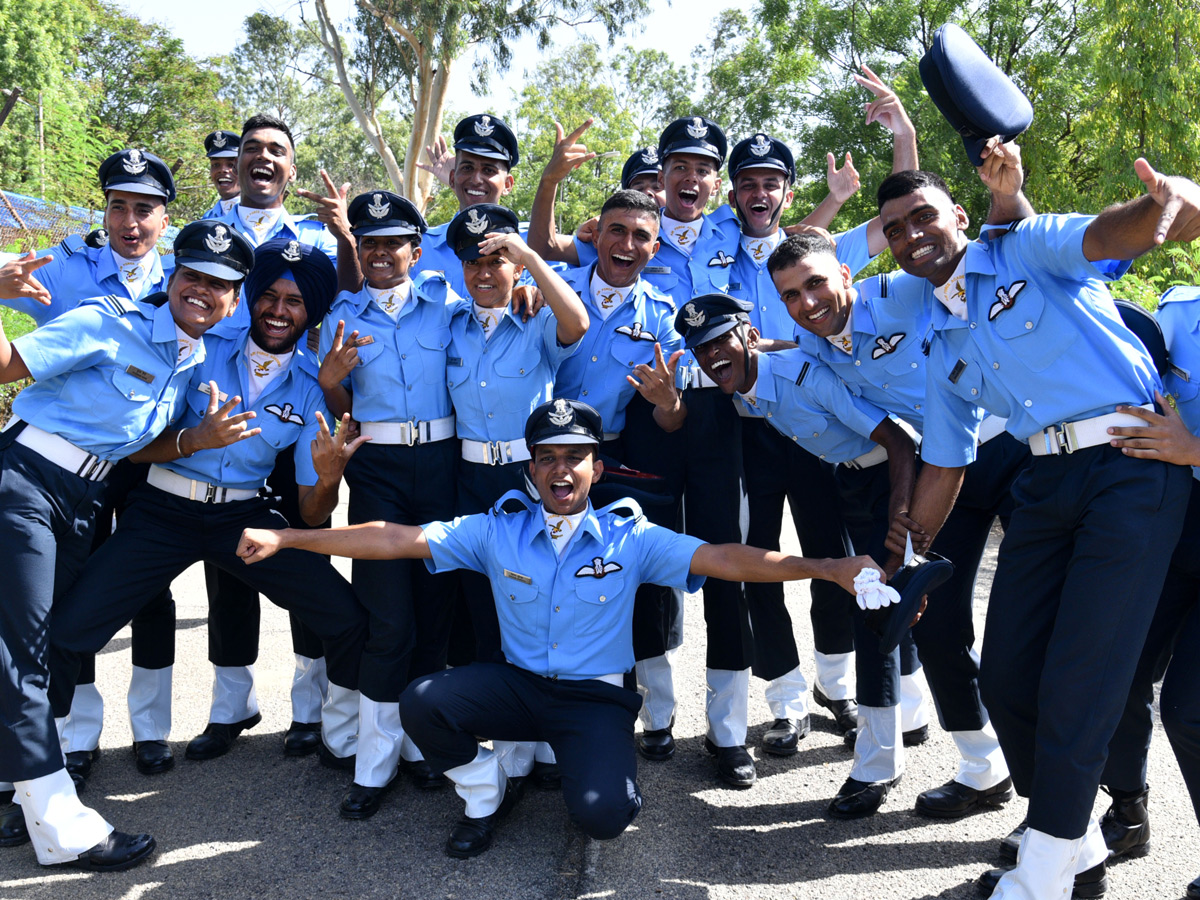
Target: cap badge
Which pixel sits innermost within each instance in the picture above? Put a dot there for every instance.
(477, 224)
(761, 146)
(694, 317)
(650, 156)
(291, 253)
(697, 128)
(101, 237)
(561, 414)
(134, 164)
(218, 242)
(379, 208)
(484, 126)
(219, 140)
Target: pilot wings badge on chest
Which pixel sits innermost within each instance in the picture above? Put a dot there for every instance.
(286, 414)
(1005, 298)
(598, 569)
(884, 346)
(636, 332)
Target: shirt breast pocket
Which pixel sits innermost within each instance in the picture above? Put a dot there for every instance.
(968, 383)
(456, 374)
(905, 359)
(131, 387)
(631, 351)
(517, 363)
(433, 344)
(1035, 331)
(595, 602)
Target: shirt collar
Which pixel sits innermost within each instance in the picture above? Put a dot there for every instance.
(979, 261)
(163, 332)
(764, 386)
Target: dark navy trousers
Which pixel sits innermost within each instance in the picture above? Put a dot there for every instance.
(410, 609)
(46, 520)
(777, 469)
(160, 536)
(588, 724)
(1077, 581)
(1176, 624)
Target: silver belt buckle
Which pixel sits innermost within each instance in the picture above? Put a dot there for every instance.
(210, 495)
(408, 433)
(491, 453)
(1063, 436)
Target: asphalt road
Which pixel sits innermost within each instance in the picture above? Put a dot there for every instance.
(256, 824)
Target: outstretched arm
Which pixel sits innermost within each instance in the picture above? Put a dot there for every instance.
(217, 429)
(568, 155)
(371, 540)
(1168, 211)
(738, 562)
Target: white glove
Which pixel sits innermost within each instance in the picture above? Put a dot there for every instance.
(871, 593)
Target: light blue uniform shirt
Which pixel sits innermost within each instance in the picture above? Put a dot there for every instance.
(105, 375)
(216, 211)
(286, 413)
(1179, 316)
(568, 616)
(401, 372)
(886, 364)
(753, 282)
(613, 346)
(87, 272)
(438, 256)
(807, 403)
(495, 384)
(1043, 342)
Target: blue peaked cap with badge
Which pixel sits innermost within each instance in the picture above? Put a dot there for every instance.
(137, 172)
(485, 135)
(466, 230)
(694, 134)
(215, 249)
(709, 316)
(972, 92)
(304, 264)
(222, 144)
(645, 161)
(762, 152)
(564, 422)
(384, 213)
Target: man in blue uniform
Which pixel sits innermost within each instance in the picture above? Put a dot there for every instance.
(1024, 327)
(563, 577)
(137, 188)
(485, 153)
(221, 148)
(109, 376)
(208, 472)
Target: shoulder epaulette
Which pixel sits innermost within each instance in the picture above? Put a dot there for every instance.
(1178, 294)
(885, 282)
(118, 306)
(662, 297)
(626, 508)
(71, 245)
(803, 373)
(513, 502)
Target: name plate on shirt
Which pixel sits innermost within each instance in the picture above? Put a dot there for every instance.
(139, 374)
(957, 371)
(365, 339)
(524, 579)
(222, 397)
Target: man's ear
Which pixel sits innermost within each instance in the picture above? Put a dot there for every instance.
(752, 338)
(597, 466)
(961, 217)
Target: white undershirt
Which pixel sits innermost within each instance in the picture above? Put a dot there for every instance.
(260, 221)
(759, 249)
(264, 368)
(844, 340)
(133, 272)
(488, 319)
(681, 235)
(391, 300)
(606, 297)
(560, 528)
(953, 294)
(187, 344)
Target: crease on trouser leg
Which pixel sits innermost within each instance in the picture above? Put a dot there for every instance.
(233, 697)
(480, 783)
(727, 704)
(60, 827)
(149, 702)
(878, 750)
(379, 737)
(310, 686)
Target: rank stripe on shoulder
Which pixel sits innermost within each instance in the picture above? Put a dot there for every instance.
(803, 373)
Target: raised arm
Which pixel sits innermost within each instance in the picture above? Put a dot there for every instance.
(1168, 211)
(739, 562)
(1004, 177)
(331, 212)
(569, 311)
(371, 540)
(888, 111)
(339, 362)
(568, 155)
(12, 367)
(658, 386)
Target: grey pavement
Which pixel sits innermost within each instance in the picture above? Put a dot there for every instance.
(257, 824)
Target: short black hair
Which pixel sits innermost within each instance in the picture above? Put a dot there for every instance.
(797, 247)
(263, 120)
(901, 184)
(634, 200)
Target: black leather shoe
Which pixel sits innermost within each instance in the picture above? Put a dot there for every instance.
(218, 738)
(422, 775)
(153, 757)
(302, 738)
(916, 736)
(953, 800)
(784, 736)
(845, 712)
(1089, 884)
(79, 766)
(470, 837)
(1126, 824)
(657, 745)
(859, 799)
(1193, 890)
(13, 832)
(735, 766)
(546, 775)
(1012, 842)
(329, 761)
(116, 853)
(361, 802)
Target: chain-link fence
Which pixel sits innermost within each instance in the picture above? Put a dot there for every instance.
(27, 223)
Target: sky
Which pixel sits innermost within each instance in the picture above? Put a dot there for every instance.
(213, 28)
